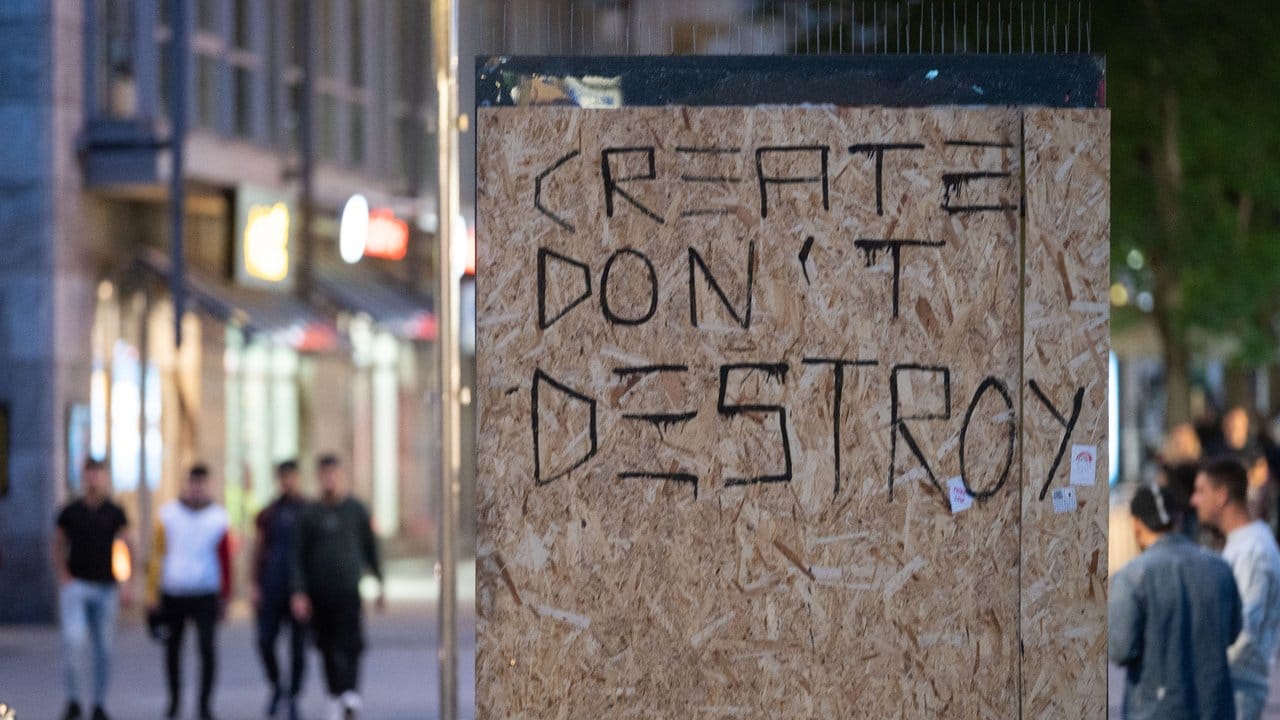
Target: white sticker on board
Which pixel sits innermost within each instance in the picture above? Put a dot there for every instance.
(1084, 463)
(960, 498)
(1064, 500)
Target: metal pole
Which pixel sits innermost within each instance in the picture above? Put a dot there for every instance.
(144, 482)
(306, 153)
(177, 190)
(418, 252)
(444, 33)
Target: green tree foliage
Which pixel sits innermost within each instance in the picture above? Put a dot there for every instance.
(1194, 91)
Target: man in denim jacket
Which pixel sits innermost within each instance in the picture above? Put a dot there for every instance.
(1173, 612)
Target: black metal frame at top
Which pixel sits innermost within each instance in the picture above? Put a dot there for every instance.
(1056, 81)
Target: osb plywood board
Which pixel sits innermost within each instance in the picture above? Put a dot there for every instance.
(729, 361)
(1064, 546)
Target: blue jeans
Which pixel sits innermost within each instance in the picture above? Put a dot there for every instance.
(1250, 703)
(88, 616)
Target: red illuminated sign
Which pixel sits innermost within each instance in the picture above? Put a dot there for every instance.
(388, 235)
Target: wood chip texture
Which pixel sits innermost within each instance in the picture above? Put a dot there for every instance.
(756, 438)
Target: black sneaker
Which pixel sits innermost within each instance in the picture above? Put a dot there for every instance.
(273, 705)
(100, 714)
(73, 711)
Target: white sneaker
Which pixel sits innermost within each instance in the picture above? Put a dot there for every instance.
(352, 704)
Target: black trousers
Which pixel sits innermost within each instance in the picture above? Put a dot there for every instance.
(203, 611)
(337, 623)
(273, 615)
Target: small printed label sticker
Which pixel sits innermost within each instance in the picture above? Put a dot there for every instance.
(1084, 463)
(1064, 500)
(960, 498)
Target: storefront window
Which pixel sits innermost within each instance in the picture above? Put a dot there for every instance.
(127, 407)
(262, 421)
(386, 435)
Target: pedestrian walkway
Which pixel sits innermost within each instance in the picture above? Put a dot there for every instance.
(399, 680)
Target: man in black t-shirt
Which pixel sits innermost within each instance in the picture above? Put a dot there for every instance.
(335, 545)
(87, 529)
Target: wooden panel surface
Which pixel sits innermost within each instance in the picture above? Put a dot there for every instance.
(661, 293)
(1064, 553)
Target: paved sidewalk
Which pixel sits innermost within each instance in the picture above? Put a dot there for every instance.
(399, 678)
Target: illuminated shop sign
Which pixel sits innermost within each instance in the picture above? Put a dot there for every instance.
(376, 233)
(388, 235)
(264, 229)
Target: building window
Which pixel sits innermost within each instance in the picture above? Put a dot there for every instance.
(355, 32)
(328, 128)
(206, 91)
(242, 29)
(243, 81)
(357, 134)
(207, 15)
(327, 42)
(115, 86)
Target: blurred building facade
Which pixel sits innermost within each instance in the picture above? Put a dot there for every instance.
(264, 372)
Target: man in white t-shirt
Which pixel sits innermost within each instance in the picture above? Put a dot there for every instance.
(1221, 499)
(190, 580)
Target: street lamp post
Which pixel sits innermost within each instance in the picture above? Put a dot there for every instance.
(444, 33)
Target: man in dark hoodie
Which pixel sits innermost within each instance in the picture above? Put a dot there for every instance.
(335, 545)
(277, 527)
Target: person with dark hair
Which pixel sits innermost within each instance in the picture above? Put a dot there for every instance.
(1173, 611)
(1221, 499)
(87, 530)
(335, 545)
(277, 527)
(190, 579)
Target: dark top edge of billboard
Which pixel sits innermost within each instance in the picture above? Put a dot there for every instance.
(1055, 81)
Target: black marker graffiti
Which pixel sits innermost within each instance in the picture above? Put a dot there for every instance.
(687, 478)
(708, 151)
(545, 254)
(537, 191)
(1068, 423)
(743, 317)
(776, 371)
(716, 179)
(661, 421)
(804, 258)
(838, 366)
(648, 369)
(609, 314)
(870, 248)
(611, 183)
(979, 143)
(539, 378)
(664, 420)
(898, 424)
(877, 151)
(990, 383)
(955, 183)
(767, 180)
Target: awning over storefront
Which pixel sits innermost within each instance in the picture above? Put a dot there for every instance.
(389, 302)
(279, 316)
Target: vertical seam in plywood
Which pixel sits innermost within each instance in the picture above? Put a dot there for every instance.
(1022, 377)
